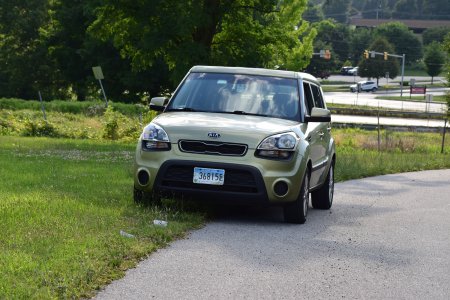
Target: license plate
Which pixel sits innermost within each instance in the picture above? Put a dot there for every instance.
(209, 176)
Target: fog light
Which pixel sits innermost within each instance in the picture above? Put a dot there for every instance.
(281, 188)
(143, 177)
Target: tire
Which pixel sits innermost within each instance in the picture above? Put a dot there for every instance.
(323, 197)
(146, 198)
(374, 90)
(297, 211)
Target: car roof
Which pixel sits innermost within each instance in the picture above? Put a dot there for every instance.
(254, 71)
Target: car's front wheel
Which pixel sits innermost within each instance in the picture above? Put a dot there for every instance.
(145, 198)
(297, 211)
(323, 197)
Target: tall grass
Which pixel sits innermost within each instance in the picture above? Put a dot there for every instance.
(73, 107)
(63, 205)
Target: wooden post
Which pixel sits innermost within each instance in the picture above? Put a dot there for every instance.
(42, 106)
(443, 136)
(378, 117)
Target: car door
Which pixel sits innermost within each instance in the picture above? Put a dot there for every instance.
(312, 134)
(323, 130)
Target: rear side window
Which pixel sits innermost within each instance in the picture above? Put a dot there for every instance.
(318, 99)
(309, 99)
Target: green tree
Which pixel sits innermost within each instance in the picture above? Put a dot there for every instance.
(437, 9)
(434, 60)
(405, 9)
(337, 10)
(403, 40)
(313, 13)
(360, 40)
(319, 66)
(25, 67)
(376, 67)
(76, 50)
(336, 35)
(436, 34)
(181, 34)
(376, 8)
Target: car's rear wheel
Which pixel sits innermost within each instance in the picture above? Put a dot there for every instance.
(146, 198)
(374, 89)
(297, 211)
(323, 197)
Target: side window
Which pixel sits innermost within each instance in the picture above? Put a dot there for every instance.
(309, 100)
(318, 99)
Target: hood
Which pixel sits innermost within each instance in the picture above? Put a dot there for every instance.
(249, 130)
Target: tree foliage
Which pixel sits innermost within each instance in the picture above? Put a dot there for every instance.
(144, 47)
(436, 34)
(434, 60)
(234, 32)
(24, 63)
(337, 10)
(402, 39)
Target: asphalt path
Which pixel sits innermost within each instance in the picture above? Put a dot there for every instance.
(385, 237)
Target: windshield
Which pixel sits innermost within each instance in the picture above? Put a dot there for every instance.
(238, 94)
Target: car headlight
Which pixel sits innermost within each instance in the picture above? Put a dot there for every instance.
(154, 138)
(279, 146)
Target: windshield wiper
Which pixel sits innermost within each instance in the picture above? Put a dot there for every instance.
(240, 112)
(182, 109)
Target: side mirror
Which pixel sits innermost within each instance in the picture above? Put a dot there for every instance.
(158, 103)
(319, 115)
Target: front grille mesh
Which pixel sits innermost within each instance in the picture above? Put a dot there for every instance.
(179, 176)
(213, 148)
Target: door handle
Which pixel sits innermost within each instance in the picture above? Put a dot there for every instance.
(321, 134)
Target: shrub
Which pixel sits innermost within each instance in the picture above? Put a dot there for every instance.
(39, 128)
(112, 119)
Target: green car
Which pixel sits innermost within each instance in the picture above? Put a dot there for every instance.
(240, 135)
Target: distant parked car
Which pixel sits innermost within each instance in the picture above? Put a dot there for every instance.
(353, 71)
(365, 86)
(321, 74)
(344, 70)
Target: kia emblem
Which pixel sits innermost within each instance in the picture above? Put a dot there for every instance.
(213, 135)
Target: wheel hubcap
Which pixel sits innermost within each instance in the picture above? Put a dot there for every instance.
(331, 184)
(306, 196)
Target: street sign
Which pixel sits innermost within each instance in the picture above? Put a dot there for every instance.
(98, 74)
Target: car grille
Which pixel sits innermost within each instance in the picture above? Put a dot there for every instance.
(181, 176)
(213, 148)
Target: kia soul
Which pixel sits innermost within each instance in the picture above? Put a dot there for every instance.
(240, 135)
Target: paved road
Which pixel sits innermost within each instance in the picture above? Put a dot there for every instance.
(385, 238)
(382, 81)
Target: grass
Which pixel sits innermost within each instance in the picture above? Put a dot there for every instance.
(64, 203)
(358, 156)
(74, 107)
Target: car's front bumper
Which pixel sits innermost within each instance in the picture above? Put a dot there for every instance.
(248, 179)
